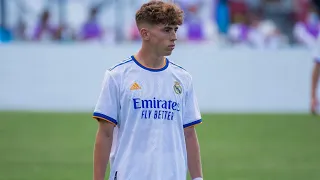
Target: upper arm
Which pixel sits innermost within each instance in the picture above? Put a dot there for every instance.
(106, 128)
(316, 69)
(317, 65)
(189, 132)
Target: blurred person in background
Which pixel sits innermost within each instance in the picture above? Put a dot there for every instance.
(65, 33)
(5, 34)
(198, 26)
(301, 9)
(222, 16)
(273, 37)
(307, 30)
(255, 32)
(44, 30)
(20, 30)
(5, 31)
(238, 10)
(316, 69)
(238, 33)
(91, 29)
(245, 32)
(193, 27)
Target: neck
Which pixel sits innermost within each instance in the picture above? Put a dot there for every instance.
(148, 58)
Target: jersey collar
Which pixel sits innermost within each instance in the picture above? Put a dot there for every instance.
(149, 69)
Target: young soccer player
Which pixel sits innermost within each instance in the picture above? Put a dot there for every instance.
(147, 108)
(316, 68)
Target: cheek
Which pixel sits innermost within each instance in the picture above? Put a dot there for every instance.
(155, 40)
(159, 39)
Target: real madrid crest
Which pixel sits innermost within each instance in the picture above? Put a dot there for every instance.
(177, 87)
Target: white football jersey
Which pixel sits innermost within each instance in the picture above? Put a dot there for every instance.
(150, 108)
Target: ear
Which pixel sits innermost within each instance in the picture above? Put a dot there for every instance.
(145, 34)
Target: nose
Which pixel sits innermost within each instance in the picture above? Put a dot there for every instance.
(173, 36)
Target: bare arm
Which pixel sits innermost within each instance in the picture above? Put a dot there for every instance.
(314, 85)
(102, 149)
(193, 151)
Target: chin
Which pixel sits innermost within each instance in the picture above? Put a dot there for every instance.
(167, 53)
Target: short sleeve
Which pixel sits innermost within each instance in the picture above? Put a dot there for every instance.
(191, 113)
(316, 51)
(107, 104)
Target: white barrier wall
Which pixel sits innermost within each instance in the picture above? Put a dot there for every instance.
(68, 77)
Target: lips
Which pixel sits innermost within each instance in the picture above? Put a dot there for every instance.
(171, 46)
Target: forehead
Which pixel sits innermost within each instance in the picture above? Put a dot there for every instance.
(163, 26)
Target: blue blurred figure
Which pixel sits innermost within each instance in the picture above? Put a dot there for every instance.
(222, 16)
(5, 35)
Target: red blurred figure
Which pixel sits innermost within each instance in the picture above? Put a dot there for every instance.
(301, 9)
(238, 10)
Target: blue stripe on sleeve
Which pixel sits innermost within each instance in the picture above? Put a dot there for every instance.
(105, 117)
(177, 65)
(124, 62)
(192, 123)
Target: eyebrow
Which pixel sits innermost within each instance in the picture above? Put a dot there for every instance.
(168, 27)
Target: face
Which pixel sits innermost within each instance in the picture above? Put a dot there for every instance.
(162, 38)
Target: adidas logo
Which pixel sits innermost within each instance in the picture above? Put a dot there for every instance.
(135, 86)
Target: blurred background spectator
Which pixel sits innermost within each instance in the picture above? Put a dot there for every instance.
(91, 29)
(44, 30)
(247, 23)
(306, 27)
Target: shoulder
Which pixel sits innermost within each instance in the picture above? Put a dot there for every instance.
(121, 65)
(176, 67)
(181, 72)
(117, 70)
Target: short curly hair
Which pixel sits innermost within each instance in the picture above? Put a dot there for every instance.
(159, 12)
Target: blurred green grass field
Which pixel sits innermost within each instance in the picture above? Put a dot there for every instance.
(58, 146)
